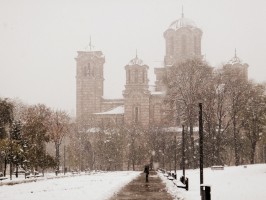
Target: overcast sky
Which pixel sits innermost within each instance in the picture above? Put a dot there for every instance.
(39, 40)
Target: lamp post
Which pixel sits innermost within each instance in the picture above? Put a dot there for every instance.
(183, 151)
(64, 159)
(201, 149)
(175, 154)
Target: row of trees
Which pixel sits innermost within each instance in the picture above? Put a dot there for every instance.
(234, 124)
(234, 111)
(108, 148)
(234, 127)
(24, 133)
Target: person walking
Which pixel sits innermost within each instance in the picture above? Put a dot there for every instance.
(147, 171)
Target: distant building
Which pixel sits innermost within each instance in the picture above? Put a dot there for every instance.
(239, 68)
(141, 104)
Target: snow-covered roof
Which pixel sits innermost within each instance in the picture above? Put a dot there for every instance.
(136, 61)
(120, 110)
(177, 129)
(112, 101)
(182, 22)
(157, 93)
(234, 60)
(152, 88)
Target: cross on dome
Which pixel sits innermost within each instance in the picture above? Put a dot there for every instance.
(182, 22)
(235, 59)
(136, 60)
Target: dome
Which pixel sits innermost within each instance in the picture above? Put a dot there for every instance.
(235, 60)
(182, 22)
(136, 61)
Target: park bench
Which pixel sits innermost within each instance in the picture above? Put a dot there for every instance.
(34, 175)
(37, 174)
(27, 174)
(2, 177)
(74, 172)
(183, 183)
(217, 167)
(170, 178)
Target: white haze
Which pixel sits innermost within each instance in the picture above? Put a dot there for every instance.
(39, 40)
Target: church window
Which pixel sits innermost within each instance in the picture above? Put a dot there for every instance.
(195, 45)
(136, 76)
(129, 76)
(171, 45)
(184, 44)
(87, 70)
(143, 76)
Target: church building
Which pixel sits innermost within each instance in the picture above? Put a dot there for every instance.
(141, 103)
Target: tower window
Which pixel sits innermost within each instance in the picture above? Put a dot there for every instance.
(129, 76)
(171, 45)
(87, 70)
(143, 76)
(195, 45)
(136, 76)
(184, 44)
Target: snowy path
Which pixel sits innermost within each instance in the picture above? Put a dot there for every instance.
(90, 187)
(138, 189)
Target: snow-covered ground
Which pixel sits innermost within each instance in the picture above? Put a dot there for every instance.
(98, 186)
(234, 183)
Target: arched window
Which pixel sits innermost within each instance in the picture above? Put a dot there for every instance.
(129, 76)
(184, 44)
(171, 45)
(143, 76)
(87, 70)
(136, 76)
(195, 45)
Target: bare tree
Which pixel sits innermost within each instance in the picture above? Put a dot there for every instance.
(185, 82)
(58, 127)
(237, 93)
(254, 117)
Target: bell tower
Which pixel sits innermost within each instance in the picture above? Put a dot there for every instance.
(136, 93)
(89, 84)
(182, 41)
(237, 67)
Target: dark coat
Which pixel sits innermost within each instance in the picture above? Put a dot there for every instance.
(147, 169)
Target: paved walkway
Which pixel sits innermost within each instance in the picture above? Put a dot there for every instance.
(138, 189)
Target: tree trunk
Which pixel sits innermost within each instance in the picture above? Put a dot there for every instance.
(133, 164)
(5, 167)
(218, 148)
(11, 171)
(16, 170)
(192, 151)
(252, 152)
(236, 143)
(57, 156)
